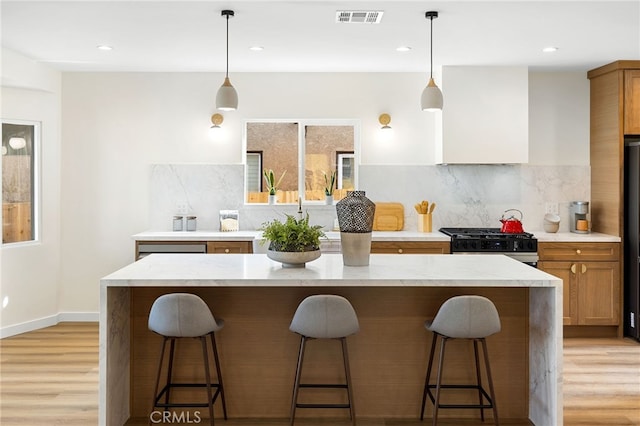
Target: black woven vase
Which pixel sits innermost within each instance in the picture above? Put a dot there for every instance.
(355, 217)
(355, 212)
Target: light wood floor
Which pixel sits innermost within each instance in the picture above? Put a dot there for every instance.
(50, 377)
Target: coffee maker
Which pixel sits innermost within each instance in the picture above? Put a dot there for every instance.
(579, 217)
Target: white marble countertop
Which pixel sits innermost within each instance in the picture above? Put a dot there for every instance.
(572, 237)
(239, 270)
(256, 235)
(542, 236)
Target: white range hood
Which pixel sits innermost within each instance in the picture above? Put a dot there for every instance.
(485, 117)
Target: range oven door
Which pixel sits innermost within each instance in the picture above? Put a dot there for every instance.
(530, 259)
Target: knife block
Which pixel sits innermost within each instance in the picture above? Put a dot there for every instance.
(424, 222)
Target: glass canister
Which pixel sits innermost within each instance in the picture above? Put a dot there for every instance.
(191, 223)
(177, 223)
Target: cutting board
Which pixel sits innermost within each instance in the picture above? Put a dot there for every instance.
(388, 217)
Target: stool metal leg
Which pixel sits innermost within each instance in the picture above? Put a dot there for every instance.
(219, 373)
(205, 356)
(436, 405)
(493, 396)
(428, 376)
(478, 378)
(296, 385)
(155, 392)
(347, 373)
(172, 347)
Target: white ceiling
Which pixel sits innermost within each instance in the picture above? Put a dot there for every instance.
(302, 35)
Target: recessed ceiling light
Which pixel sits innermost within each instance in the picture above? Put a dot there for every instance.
(104, 47)
(549, 49)
(256, 48)
(403, 48)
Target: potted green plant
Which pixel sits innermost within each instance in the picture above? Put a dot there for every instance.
(272, 185)
(292, 242)
(329, 185)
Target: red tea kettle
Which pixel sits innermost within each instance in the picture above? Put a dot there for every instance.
(511, 225)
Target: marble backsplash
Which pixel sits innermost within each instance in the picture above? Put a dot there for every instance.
(466, 195)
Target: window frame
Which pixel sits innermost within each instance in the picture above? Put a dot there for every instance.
(36, 180)
(302, 124)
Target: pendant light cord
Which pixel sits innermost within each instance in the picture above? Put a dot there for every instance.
(431, 49)
(227, 72)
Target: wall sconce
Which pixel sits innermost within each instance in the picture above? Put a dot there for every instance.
(386, 132)
(385, 119)
(215, 129)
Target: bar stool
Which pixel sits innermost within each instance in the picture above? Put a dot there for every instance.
(181, 315)
(462, 317)
(324, 317)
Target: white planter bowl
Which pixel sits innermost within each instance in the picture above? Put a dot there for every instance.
(293, 259)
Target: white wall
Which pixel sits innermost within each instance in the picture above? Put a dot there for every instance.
(115, 125)
(30, 272)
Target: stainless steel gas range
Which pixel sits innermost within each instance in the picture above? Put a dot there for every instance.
(522, 246)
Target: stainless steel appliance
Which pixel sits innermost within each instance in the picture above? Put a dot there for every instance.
(579, 217)
(632, 238)
(522, 246)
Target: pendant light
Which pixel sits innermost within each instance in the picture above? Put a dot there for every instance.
(227, 97)
(431, 99)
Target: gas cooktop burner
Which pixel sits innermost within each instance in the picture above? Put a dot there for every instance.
(478, 240)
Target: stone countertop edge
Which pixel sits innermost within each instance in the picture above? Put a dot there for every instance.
(542, 236)
(328, 270)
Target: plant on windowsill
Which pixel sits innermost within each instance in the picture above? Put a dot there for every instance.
(272, 185)
(329, 185)
(292, 242)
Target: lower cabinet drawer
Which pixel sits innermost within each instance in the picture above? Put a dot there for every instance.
(576, 252)
(410, 247)
(229, 247)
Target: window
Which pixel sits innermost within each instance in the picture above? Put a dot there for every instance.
(300, 153)
(19, 153)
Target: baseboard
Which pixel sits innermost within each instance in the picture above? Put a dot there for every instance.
(78, 316)
(39, 323)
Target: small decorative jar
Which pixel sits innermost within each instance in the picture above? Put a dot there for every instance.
(191, 223)
(177, 223)
(355, 218)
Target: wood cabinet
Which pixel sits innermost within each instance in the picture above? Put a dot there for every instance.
(229, 247)
(614, 113)
(632, 102)
(591, 277)
(410, 247)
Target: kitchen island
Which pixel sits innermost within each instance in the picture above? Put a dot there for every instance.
(392, 297)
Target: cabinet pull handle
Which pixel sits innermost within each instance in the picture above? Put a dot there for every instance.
(573, 268)
(578, 251)
(400, 251)
(584, 268)
(226, 250)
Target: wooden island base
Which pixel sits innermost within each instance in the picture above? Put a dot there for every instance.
(388, 356)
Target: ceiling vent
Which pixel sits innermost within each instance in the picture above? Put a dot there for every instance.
(359, 16)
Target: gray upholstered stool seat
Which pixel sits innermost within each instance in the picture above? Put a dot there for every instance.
(462, 317)
(183, 315)
(324, 317)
